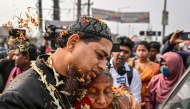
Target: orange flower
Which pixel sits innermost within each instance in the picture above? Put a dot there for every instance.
(33, 20)
(66, 32)
(9, 23)
(16, 39)
(21, 20)
(97, 18)
(25, 24)
(20, 26)
(10, 30)
(87, 20)
(20, 33)
(27, 21)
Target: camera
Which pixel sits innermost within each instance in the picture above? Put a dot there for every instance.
(51, 34)
(185, 35)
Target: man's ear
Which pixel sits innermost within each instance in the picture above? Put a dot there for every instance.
(72, 41)
(27, 59)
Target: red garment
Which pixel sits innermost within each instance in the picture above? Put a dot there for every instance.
(15, 72)
(48, 49)
(84, 101)
(160, 86)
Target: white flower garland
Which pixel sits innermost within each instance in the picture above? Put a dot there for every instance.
(49, 86)
(82, 93)
(85, 107)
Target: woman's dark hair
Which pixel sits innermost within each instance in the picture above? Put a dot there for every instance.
(106, 72)
(145, 43)
(109, 75)
(86, 37)
(155, 45)
(125, 41)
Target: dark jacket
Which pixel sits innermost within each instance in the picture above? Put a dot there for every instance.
(168, 47)
(26, 91)
(5, 69)
(3, 54)
(41, 50)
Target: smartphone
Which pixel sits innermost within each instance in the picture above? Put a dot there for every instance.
(116, 47)
(185, 36)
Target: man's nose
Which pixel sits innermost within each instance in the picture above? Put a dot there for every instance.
(102, 64)
(121, 53)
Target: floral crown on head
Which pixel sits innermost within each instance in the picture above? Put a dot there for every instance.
(24, 47)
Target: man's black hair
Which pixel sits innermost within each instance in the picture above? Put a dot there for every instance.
(32, 52)
(155, 45)
(145, 43)
(125, 41)
(61, 42)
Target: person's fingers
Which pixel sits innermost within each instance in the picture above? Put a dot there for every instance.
(122, 85)
(124, 88)
(180, 41)
(11, 52)
(179, 31)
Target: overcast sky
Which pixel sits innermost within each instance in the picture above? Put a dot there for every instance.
(179, 12)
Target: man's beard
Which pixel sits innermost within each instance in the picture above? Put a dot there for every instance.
(72, 83)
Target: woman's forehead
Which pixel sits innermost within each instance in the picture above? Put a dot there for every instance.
(102, 78)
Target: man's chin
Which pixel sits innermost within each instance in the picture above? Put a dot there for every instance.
(88, 79)
(120, 63)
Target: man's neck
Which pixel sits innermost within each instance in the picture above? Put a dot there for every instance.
(115, 66)
(60, 66)
(152, 58)
(26, 67)
(143, 60)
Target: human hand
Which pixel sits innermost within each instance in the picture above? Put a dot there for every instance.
(175, 39)
(10, 55)
(123, 87)
(46, 36)
(143, 105)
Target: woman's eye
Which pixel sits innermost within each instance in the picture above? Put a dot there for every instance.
(108, 91)
(92, 92)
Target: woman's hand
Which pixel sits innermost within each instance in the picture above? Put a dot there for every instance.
(123, 87)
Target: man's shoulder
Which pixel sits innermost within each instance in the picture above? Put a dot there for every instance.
(24, 81)
(28, 86)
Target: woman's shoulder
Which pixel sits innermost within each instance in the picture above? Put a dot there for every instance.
(126, 101)
(154, 63)
(155, 66)
(131, 60)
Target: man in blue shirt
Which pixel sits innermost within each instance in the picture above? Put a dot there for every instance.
(170, 44)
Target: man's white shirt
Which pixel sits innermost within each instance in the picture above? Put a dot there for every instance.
(136, 84)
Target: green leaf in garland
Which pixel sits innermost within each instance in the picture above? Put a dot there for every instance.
(21, 50)
(115, 106)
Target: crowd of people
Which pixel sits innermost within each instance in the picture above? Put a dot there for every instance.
(75, 76)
